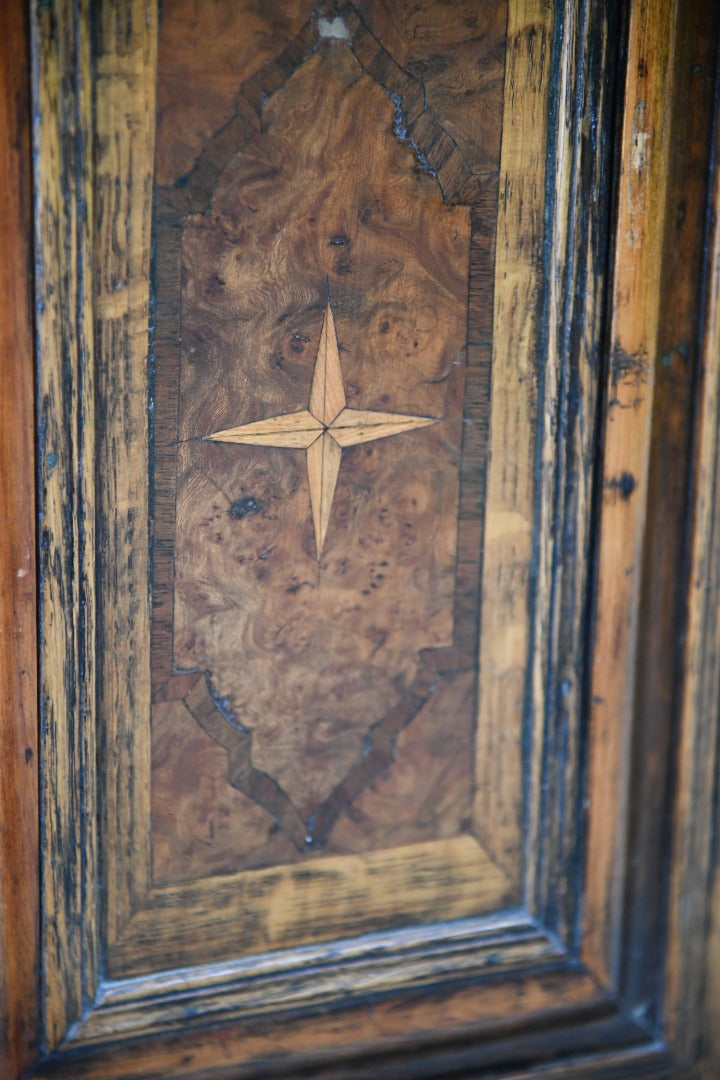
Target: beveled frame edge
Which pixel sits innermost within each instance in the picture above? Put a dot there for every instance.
(563, 1020)
(73, 988)
(309, 977)
(578, 207)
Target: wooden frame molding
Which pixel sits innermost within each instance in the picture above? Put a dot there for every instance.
(19, 882)
(524, 949)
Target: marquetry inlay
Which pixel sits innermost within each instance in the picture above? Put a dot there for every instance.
(324, 429)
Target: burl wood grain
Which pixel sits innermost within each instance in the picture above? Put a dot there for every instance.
(312, 667)
(197, 83)
(310, 656)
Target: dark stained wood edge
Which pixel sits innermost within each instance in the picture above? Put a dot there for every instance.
(693, 962)
(506, 773)
(635, 306)
(124, 62)
(19, 878)
(642, 1062)
(66, 455)
(546, 1017)
(266, 986)
(663, 372)
(664, 589)
(579, 194)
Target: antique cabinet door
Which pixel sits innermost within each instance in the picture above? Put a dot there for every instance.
(375, 431)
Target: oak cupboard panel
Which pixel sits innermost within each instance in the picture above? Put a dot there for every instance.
(376, 428)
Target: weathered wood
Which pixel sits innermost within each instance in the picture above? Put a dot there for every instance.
(19, 876)
(635, 316)
(124, 98)
(579, 202)
(693, 961)
(677, 354)
(513, 386)
(66, 455)
(358, 1039)
(278, 903)
(268, 983)
(294, 905)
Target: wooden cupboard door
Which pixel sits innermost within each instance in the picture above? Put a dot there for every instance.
(358, 733)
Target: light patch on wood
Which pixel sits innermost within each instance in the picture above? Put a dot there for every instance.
(334, 28)
(355, 426)
(323, 463)
(297, 430)
(327, 395)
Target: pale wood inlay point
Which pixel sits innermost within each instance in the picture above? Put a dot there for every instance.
(327, 393)
(323, 430)
(355, 426)
(323, 464)
(296, 430)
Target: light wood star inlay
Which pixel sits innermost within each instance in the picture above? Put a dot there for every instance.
(324, 429)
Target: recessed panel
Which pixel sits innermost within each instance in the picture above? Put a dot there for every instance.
(324, 215)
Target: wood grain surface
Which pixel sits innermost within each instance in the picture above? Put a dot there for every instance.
(658, 735)
(570, 375)
(19, 878)
(324, 429)
(66, 454)
(636, 313)
(316, 666)
(513, 382)
(334, 851)
(124, 100)
(359, 1042)
(693, 960)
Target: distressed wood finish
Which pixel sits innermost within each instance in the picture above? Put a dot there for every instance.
(575, 301)
(19, 893)
(680, 357)
(510, 375)
(467, 876)
(647, 484)
(636, 311)
(693, 973)
(124, 102)
(66, 428)
(359, 1042)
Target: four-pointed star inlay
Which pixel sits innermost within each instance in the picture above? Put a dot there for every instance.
(323, 429)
